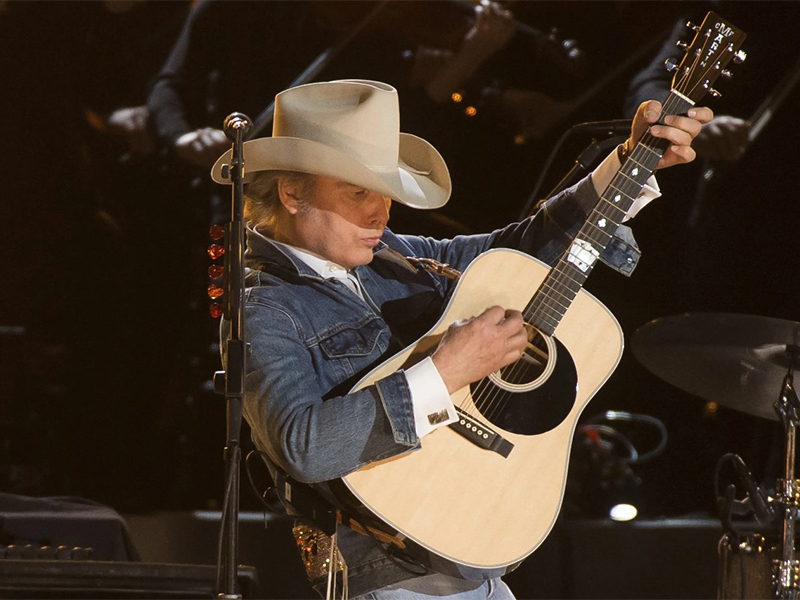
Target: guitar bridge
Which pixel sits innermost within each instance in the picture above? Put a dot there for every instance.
(481, 435)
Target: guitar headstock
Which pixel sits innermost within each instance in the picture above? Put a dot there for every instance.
(716, 43)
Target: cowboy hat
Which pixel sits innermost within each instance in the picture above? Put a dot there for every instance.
(350, 130)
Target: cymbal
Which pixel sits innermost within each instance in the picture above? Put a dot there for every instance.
(738, 361)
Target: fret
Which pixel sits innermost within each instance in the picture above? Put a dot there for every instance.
(655, 153)
(554, 313)
(566, 279)
(565, 272)
(649, 150)
(592, 233)
(676, 103)
(558, 290)
(568, 298)
(641, 163)
(563, 278)
(546, 328)
(541, 315)
(626, 186)
(543, 323)
(556, 293)
(557, 302)
(611, 208)
(635, 174)
(602, 224)
(547, 311)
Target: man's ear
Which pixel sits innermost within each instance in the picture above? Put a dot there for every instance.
(289, 192)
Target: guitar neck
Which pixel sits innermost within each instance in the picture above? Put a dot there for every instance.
(558, 290)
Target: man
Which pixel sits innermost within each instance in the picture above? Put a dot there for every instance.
(330, 294)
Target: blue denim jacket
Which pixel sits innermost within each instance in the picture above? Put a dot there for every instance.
(312, 340)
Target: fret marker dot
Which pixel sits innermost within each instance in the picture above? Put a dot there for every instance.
(617, 198)
(602, 222)
(635, 171)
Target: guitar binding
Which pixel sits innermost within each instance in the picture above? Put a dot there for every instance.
(533, 368)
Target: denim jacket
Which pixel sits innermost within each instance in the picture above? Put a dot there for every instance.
(312, 340)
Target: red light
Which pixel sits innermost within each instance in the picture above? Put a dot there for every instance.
(217, 232)
(214, 292)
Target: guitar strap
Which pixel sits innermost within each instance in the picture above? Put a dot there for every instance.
(303, 501)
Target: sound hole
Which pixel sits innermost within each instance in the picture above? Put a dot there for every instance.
(533, 368)
(536, 396)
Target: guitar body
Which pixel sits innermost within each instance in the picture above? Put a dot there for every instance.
(485, 492)
(476, 506)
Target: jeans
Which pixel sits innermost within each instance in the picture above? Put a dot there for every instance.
(439, 587)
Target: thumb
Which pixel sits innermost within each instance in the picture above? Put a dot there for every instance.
(647, 114)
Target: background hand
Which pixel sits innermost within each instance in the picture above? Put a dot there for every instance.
(202, 147)
(724, 138)
(493, 28)
(131, 123)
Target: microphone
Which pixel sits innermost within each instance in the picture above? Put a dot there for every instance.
(762, 511)
(235, 122)
(613, 127)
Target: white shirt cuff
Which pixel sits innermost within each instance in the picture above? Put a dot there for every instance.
(604, 173)
(429, 398)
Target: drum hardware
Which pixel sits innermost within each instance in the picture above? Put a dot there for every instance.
(739, 361)
(787, 407)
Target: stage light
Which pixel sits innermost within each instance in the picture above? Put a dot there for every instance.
(623, 512)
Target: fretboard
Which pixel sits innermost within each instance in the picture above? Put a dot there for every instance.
(565, 280)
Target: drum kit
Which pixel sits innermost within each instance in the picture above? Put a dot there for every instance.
(746, 363)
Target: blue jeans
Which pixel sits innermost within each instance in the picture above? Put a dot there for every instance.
(439, 587)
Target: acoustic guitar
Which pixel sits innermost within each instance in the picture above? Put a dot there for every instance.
(486, 491)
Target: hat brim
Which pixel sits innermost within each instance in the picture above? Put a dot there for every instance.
(420, 180)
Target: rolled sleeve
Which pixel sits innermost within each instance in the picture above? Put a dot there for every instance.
(605, 172)
(395, 395)
(432, 405)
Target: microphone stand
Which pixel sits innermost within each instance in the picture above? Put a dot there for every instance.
(236, 127)
(580, 168)
(787, 569)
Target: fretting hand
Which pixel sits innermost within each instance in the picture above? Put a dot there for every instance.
(680, 131)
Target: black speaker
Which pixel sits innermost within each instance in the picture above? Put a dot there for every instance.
(107, 579)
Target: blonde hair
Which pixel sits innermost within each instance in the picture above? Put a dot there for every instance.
(261, 197)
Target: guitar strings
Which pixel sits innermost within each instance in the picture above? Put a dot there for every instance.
(483, 399)
(490, 399)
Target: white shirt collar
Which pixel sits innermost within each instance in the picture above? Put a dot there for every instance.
(324, 268)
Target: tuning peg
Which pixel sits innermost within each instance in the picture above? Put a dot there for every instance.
(671, 64)
(711, 90)
(681, 44)
(692, 26)
(740, 57)
(726, 74)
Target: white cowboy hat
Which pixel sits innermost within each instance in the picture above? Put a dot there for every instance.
(350, 130)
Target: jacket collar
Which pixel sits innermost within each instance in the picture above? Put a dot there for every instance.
(262, 251)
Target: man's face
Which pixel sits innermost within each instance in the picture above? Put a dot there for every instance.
(343, 222)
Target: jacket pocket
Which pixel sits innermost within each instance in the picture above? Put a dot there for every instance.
(351, 340)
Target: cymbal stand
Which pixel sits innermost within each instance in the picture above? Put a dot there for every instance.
(787, 569)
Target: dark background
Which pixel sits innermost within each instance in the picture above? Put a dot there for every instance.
(106, 346)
